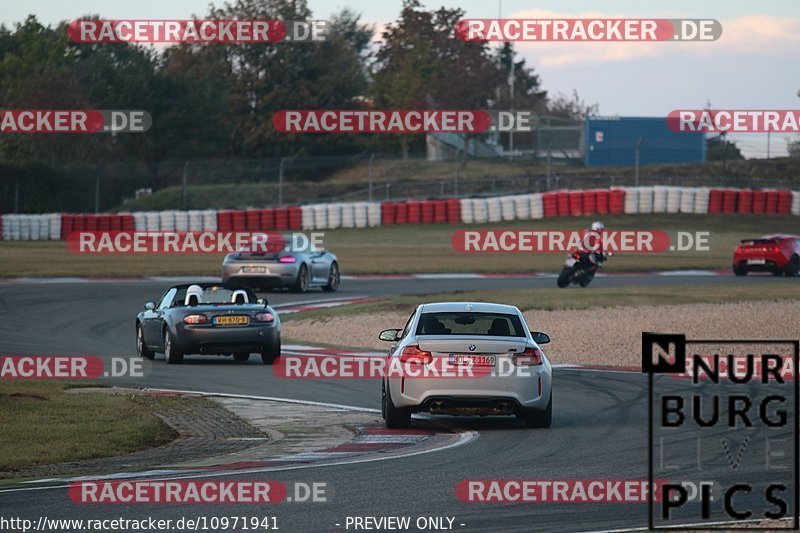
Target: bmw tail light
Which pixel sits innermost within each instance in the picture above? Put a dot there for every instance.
(530, 357)
(265, 317)
(195, 319)
(412, 354)
(287, 259)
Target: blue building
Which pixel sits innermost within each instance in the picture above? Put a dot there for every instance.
(611, 142)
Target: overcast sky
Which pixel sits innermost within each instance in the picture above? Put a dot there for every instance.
(753, 66)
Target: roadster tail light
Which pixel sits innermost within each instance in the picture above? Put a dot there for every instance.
(530, 357)
(412, 354)
(264, 317)
(287, 259)
(195, 319)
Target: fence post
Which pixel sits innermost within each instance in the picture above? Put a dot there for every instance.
(639, 142)
(183, 186)
(280, 181)
(371, 159)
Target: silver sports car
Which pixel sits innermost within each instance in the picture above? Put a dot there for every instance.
(511, 375)
(296, 269)
(208, 318)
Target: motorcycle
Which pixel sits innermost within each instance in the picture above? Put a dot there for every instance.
(580, 268)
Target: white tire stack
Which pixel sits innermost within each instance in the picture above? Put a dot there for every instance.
(522, 207)
(334, 216)
(373, 214)
(631, 200)
(507, 207)
(495, 209)
(701, 195)
(687, 199)
(646, 199)
(480, 210)
(537, 206)
(360, 212)
(348, 215)
(467, 212)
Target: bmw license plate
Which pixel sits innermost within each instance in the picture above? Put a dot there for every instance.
(472, 359)
(756, 261)
(231, 320)
(255, 270)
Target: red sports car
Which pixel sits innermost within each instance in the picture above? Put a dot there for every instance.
(778, 253)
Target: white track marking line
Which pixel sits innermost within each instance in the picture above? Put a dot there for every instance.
(463, 438)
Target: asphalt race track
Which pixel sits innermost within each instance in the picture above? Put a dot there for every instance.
(599, 430)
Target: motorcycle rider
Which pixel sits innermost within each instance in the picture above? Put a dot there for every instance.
(597, 256)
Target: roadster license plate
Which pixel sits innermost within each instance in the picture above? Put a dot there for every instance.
(231, 320)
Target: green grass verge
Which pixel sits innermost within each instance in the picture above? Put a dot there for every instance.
(416, 248)
(43, 424)
(575, 298)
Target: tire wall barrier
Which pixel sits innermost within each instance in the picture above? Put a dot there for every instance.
(615, 201)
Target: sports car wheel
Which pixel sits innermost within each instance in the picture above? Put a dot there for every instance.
(301, 284)
(792, 268)
(535, 418)
(171, 352)
(271, 353)
(394, 417)
(141, 347)
(241, 357)
(333, 279)
(739, 270)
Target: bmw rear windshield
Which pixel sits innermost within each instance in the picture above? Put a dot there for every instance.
(470, 323)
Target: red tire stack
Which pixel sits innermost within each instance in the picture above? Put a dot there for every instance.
(281, 219)
(400, 213)
(744, 202)
(91, 222)
(387, 214)
(576, 203)
(127, 223)
(252, 220)
(267, 217)
(427, 212)
(224, 221)
(759, 202)
(239, 219)
(729, 201)
(589, 202)
(784, 202)
(550, 204)
(616, 201)
(602, 206)
(295, 218)
(453, 211)
(715, 201)
(562, 201)
(67, 225)
(440, 211)
(413, 212)
(771, 205)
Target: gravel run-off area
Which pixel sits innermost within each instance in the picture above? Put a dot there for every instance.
(606, 336)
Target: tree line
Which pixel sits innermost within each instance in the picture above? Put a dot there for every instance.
(216, 100)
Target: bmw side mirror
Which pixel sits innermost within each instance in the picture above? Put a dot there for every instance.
(540, 338)
(389, 335)
(149, 306)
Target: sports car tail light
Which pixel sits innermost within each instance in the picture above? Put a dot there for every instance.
(287, 259)
(412, 354)
(195, 319)
(530, 357)
(264, 317)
